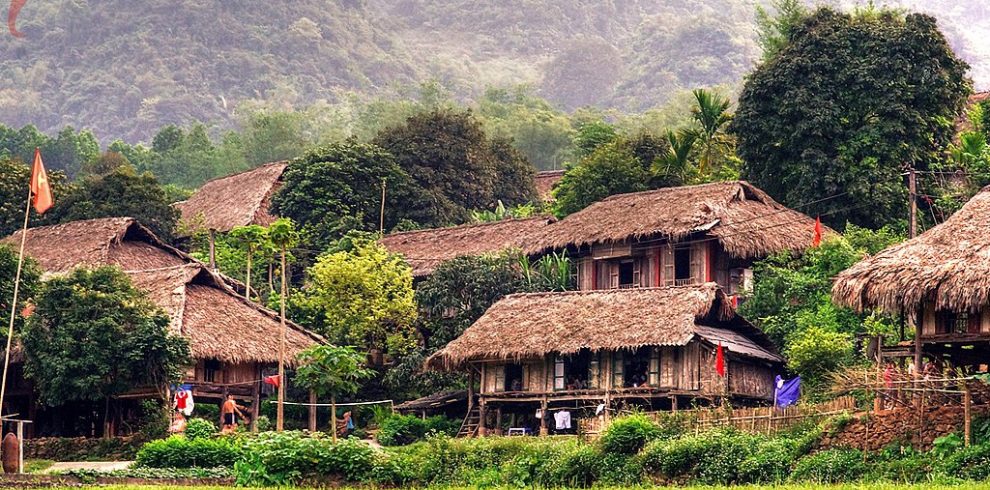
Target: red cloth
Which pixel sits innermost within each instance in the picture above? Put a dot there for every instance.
(272, 380)
(817, 239)
(720, 361)
(40, 188)
(15, 8)
(180, 400)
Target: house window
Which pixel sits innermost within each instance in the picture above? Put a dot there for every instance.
(948, 322)
(558, 373)
(682, 266)
(513, 378)
(654, 374)
(636, 368)
(626, 274)
(211, 370)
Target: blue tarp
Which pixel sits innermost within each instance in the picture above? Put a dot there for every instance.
(787, 392)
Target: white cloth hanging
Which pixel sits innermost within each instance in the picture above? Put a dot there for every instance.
(562, 420)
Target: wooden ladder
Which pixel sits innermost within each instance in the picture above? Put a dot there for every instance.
(469, 427)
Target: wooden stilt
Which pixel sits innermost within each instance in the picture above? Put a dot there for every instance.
(543, 417)
(967, 415)
(498, 421)
(482, 419)
(312, 411)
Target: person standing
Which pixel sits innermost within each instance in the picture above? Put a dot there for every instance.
(229, 411)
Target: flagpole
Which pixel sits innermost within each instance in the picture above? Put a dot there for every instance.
(13, 304)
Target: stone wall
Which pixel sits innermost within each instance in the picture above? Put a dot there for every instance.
(901, 425)
(82, 448)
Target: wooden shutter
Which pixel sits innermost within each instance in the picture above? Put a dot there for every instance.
(698, 263)
(613, 275)
(637, 273)
(667, 262)
(618, 366)
(527, 373)
(558, 373)
(654, 378)
(500, 377)
(594, 371)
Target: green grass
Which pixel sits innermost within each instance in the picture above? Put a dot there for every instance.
(37, 465)
(864, 486)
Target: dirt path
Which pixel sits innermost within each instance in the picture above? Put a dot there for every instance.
(89, 465)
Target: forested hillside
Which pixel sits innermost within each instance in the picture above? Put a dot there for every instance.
(125, 68)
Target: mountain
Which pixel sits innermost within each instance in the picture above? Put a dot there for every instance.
(124, 68)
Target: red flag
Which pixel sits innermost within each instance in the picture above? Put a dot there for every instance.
(273, 380)
(39, 185)
(15, 8)
(720, 361)
(817, 240)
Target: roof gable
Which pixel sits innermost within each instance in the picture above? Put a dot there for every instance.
(235, 200)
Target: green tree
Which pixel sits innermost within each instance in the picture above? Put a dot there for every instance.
(252, 239)
(843, 107)
(712, 116)
(454, 166)
(336, 188)
(30, 281)
(611, 169)
(15, 178)
(776, 28)
(283, 236)
(122, 192)
(331, 371)
(592, 135)
(361, 297)
(94, 336)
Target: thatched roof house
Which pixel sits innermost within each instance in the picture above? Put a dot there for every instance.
(947, 266)
(219, 323)
(746, 221)
(424, 250)
(536, 324)
(204, 306)
(545, 181)
(95, 242)
(235, 200)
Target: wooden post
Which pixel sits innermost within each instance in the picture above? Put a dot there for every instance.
(333, 416)
(381, 219)
(498, 421)
(280, 413)
(256, 403)
(470, 388)
(543, 417)
(482, 415)
(213, 250)
(312, 411)
(967, 415)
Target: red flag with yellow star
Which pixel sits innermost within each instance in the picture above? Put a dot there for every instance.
(41, 190)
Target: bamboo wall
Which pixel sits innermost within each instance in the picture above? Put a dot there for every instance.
(760, 419)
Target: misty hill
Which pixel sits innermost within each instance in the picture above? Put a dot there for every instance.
(124, 68)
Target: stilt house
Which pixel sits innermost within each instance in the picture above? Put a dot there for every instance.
(233, 341)
(939, 282)
(653, 347)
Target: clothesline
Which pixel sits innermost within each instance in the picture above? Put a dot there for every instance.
(354, 404)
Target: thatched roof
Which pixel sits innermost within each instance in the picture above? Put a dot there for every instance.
(218, 322)
(948, 264)
(744, 219)
(545, 181)
(435, 401)
(424, 250)
(235, 200)
(96, 242)
(532, 325)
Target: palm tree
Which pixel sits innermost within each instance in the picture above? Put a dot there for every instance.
(251, 238)
(711, 114)
(283, 235)
(673, 166)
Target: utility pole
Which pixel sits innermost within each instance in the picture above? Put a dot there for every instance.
(912, 203)
(381, 217)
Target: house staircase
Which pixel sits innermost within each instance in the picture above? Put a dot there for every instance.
(469, 427)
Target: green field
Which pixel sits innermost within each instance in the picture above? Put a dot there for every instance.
(967, 486)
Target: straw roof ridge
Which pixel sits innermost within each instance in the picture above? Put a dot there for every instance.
(948, 265)
(424, 250)
(218, 322)
(744, 219)
(234, 200)
(534, 324)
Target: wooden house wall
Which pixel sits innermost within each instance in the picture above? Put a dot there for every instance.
(930, 319)
(598, 268)
(750, 379)
(690, 368)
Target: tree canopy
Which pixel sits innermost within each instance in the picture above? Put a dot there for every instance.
(123, 192)
(94, 335)
(15, 178)
(844, 107)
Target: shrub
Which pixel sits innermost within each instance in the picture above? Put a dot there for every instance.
(182, 452)
(580, 467)
(288, 458)
(769, 463)
(830, 466)
(627, 435)
(971, 463)
(399, 430)
(899, 465)
(713, 457)
(200, 429)
(154, 419)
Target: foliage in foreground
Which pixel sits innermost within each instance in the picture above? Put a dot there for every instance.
(633, 451)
